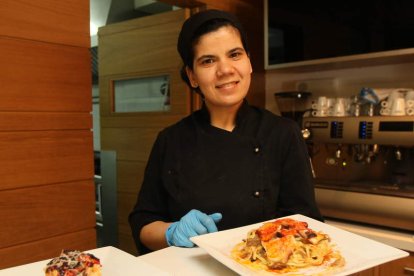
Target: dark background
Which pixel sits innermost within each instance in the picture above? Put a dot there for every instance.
(306, 30)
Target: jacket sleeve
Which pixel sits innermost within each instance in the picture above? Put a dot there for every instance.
(151, 201)
(297, 195)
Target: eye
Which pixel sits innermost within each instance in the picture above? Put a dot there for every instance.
(236, 55)
(207, 61)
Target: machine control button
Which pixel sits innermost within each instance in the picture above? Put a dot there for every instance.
(306, 133)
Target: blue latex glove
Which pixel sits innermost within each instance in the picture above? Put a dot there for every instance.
(194, 223)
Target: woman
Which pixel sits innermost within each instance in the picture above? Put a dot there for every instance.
(228, 164)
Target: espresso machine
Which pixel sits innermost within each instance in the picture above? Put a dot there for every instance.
(364, 168)
(367, 152)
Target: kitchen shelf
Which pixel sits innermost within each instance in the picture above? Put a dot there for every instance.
(344, 62)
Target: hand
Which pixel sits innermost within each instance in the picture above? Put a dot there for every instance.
(194, 223)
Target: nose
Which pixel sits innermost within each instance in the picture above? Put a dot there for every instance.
(224, 67)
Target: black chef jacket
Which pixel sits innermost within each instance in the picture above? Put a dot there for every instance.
(259, 171)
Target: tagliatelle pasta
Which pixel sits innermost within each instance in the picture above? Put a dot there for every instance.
(286, 245)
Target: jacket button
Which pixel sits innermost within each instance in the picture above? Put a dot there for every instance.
(256, 194)
(256, 149)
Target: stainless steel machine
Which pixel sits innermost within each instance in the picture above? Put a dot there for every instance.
(364, 170)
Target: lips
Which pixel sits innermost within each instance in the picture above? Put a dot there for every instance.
(227, 84)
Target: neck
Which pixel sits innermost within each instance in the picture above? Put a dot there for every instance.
(223, 117)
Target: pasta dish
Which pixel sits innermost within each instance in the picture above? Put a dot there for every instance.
(286, 245)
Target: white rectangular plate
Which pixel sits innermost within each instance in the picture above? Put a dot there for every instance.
(114, 262)
(359, 252)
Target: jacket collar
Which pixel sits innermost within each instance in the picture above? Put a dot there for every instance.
(203, 115)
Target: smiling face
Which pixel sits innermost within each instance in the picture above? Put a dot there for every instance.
(221, 68)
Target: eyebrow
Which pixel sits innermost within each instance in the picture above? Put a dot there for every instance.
(237, 49)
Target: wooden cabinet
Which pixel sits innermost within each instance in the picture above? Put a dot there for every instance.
(132, 134)
(401, 267)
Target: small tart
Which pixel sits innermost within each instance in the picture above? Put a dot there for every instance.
(73, 263)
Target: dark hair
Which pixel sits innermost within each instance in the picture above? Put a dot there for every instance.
(198, 25)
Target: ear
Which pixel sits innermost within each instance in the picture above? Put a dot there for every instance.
(191, 77)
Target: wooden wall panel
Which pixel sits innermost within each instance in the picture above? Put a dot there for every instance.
(142, 55)
(47, 198)
(129, 183)
(158, 120)
(132, 143)
(46, 212)
(61, 22)
(10, 121)
(130, 175)
(36, 76)
(42, 157)
(143, 22)
(122, 53)
(46, 248)
(125, 239)
(126, 202)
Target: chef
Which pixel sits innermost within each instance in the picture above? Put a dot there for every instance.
(228, 164)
